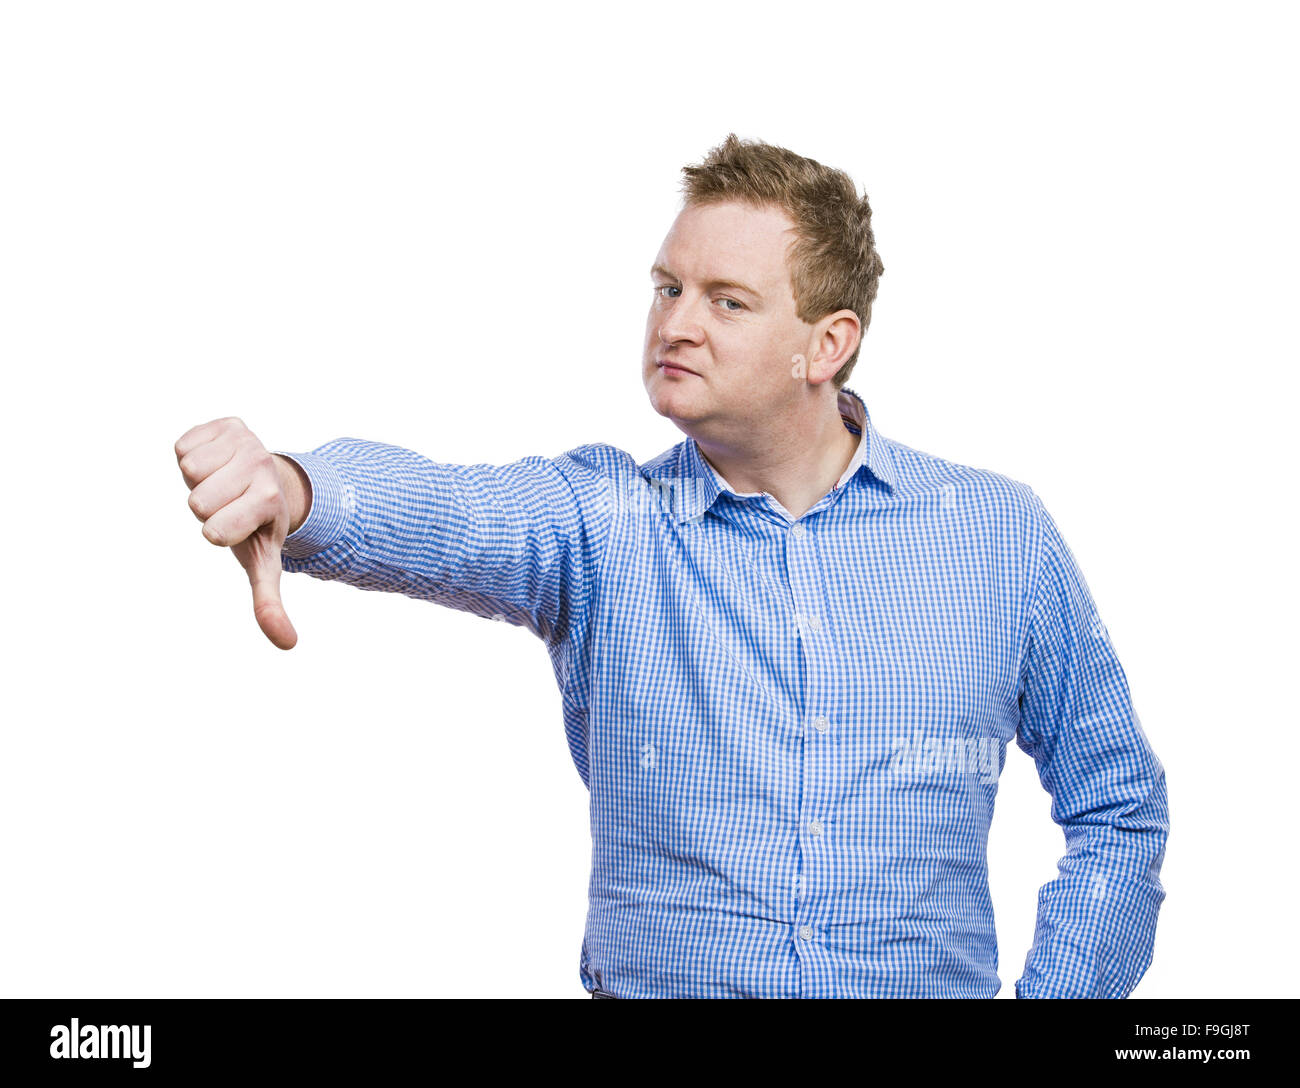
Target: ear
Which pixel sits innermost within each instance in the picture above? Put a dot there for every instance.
(832, 343)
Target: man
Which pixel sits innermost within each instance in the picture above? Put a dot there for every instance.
(790, 651)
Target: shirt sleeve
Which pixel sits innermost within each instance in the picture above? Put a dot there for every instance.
(1096, 921)
(521, 542)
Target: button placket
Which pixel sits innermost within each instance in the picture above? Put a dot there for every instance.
(806, 590)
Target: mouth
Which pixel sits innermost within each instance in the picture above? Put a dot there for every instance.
(673, 368)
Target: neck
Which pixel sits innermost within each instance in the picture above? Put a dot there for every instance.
(796, 460)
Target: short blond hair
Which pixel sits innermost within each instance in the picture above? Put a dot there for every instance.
(833, 260)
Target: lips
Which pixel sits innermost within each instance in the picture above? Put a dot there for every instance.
(669, 364)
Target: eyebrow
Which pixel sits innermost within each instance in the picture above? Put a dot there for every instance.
(734, 285)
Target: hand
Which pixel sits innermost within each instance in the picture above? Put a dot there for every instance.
(238, 492)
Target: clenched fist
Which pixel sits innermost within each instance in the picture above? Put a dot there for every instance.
(249, 500)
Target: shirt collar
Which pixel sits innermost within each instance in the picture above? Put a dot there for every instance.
(700, 484)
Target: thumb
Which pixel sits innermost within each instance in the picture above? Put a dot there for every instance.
(264, 575)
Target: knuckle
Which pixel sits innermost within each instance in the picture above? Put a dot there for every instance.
(196, 504)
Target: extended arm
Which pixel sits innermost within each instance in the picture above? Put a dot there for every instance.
(521, 541)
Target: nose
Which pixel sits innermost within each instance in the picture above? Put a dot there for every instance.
(678, 323)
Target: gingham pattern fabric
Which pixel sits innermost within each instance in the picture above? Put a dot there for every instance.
(791, 731)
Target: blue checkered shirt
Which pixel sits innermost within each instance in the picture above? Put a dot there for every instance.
(791, 730)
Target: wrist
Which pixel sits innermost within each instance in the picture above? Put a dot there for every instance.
(296, 486)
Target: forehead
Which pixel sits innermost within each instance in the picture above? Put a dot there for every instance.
(728, 240)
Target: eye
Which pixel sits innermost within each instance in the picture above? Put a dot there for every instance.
(734, 307)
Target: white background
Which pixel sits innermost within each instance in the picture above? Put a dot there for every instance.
(433, 228)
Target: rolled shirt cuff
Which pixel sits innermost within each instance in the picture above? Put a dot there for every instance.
(328, 514)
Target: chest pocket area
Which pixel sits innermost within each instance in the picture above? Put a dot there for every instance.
(935, 681)
(745, 611)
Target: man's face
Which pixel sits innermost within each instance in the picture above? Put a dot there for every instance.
(723, 311)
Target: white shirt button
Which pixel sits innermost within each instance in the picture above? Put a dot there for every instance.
(806, 933)
(796, 529)
(821, 724)
(815, 623)
(815, 828)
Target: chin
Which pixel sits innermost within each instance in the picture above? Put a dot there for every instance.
(673, 406)
(662, 396)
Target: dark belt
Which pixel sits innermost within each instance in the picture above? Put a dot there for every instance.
(601, 993)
